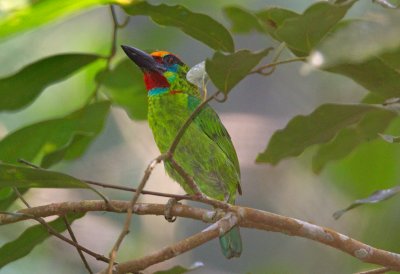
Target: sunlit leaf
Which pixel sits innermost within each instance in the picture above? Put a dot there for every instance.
(125, 87)
(21, 88)
(360, 40)
(200, 26)
(390, 138)
(197, 75)
(30, 238)
(318, 127)
(35, 142)
(243, 21)
(26, 177)
(227, 70)
(43, 12)
(376, 197)
(349, 138)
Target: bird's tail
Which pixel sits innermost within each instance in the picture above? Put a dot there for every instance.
(231, 243)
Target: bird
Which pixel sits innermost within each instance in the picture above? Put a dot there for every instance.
(205, 150)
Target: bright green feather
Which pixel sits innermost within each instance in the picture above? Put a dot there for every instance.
(205, 150)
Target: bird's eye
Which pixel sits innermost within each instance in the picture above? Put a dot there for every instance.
(169, 59)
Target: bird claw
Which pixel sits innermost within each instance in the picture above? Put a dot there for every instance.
(167, 211)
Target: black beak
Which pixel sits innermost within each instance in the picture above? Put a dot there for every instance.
(143, 60)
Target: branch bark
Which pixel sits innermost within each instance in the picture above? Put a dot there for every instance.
(247, 217)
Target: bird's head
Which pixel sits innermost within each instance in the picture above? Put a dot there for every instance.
(161, 69)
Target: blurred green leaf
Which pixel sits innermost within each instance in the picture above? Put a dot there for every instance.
(243, 21)
(274, 17)
(349, 138)
(30, 238)
(227, 70)
(376, 197)
(21, 88)
(302, 33)
(26, 177)
(360, 40)
(43, 12)
(379, 75)
(318, 127)
(7, 197)
(125, 87)
(200, 26)
(36, 141)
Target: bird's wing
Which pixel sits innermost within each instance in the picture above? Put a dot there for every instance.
(209, 123)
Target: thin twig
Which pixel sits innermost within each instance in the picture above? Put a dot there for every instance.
(124, 188)
(260, 70)
(58, 235)
(113, 50)
(146, 192)
(25, 162)
(128, 217)
(189, 180)
(72, 235)
(248, 217)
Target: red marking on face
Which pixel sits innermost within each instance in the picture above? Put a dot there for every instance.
(175, 91)
(153, 79)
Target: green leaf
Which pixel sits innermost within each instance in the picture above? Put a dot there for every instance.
(43, 12)
(21, 88)
(376, 197)
(26, 177)
(125, 87)
(379, 75)
(227, 70)
(243, 21)
(318, 127)
(200, 26)
(30, 238)
(303, 32)
(349, 138)
(35, 142)
(360, 40)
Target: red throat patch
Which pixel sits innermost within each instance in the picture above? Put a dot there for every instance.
(154, 79)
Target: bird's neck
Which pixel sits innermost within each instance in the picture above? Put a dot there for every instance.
(155, 80)
(173, 83)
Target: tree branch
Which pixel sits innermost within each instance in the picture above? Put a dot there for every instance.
(211, 232)
(247, 217)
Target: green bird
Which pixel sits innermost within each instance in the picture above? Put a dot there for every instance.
(205, 151)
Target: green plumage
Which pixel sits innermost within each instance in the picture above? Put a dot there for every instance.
(205, 150)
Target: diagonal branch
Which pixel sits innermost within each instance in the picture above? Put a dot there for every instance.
(248, 217)
(73, 238)
(208, 234)
(125, 230)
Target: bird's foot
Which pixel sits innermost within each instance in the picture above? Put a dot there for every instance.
(167, 212)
